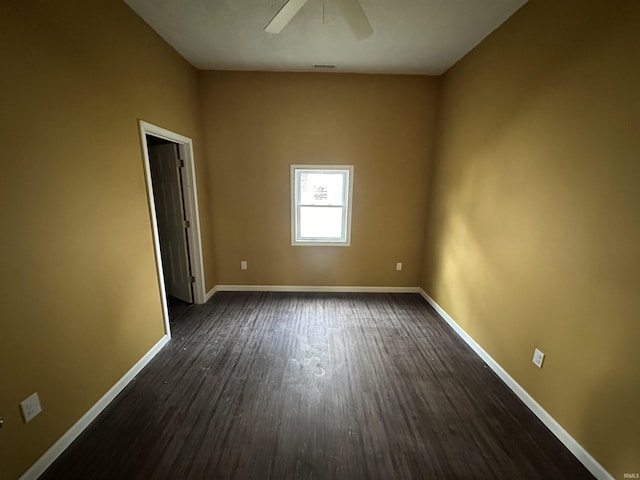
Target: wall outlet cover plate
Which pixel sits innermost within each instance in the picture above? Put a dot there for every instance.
(538, 358)
(30, 407)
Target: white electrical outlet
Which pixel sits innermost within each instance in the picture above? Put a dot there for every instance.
(399, 266)
(30, 407)
(538, 358)
(243, 265)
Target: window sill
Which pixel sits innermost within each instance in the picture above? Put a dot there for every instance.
(320, 244)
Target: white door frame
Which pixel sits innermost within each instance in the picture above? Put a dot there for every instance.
(190, 193)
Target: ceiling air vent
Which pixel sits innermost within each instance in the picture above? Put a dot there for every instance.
(324, 67)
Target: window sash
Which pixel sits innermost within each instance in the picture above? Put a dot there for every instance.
(343, 226)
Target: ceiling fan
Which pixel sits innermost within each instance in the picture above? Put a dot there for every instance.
(351, 10)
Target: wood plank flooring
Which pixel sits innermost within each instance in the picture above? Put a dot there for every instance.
(316, 386)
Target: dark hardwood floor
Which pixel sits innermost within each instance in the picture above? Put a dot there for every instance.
(177, 308)
(316, 386)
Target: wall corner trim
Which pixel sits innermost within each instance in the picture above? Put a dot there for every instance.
(74, 432)
(574, 447)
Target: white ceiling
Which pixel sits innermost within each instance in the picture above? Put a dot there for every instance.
(410, 36)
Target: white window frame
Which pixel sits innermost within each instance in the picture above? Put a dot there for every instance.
(345, 241)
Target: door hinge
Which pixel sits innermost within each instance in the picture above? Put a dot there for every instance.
(187, 224)
(193, 279)
(179, 162)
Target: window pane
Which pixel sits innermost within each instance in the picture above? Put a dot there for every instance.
(321, 222)
(321, 188)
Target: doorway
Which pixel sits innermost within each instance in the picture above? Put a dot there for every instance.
(171, 188)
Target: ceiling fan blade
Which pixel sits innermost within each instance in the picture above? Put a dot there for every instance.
(284, 16)
(356, 18)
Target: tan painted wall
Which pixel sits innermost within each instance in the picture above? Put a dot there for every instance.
(534, 233)
(80, 297)
(257, 124)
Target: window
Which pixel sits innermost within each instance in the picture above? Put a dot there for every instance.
(321, 204)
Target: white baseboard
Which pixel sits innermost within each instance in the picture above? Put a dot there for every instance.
(210, 294)
(578, 450)
(305, 288)
(63, 442)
